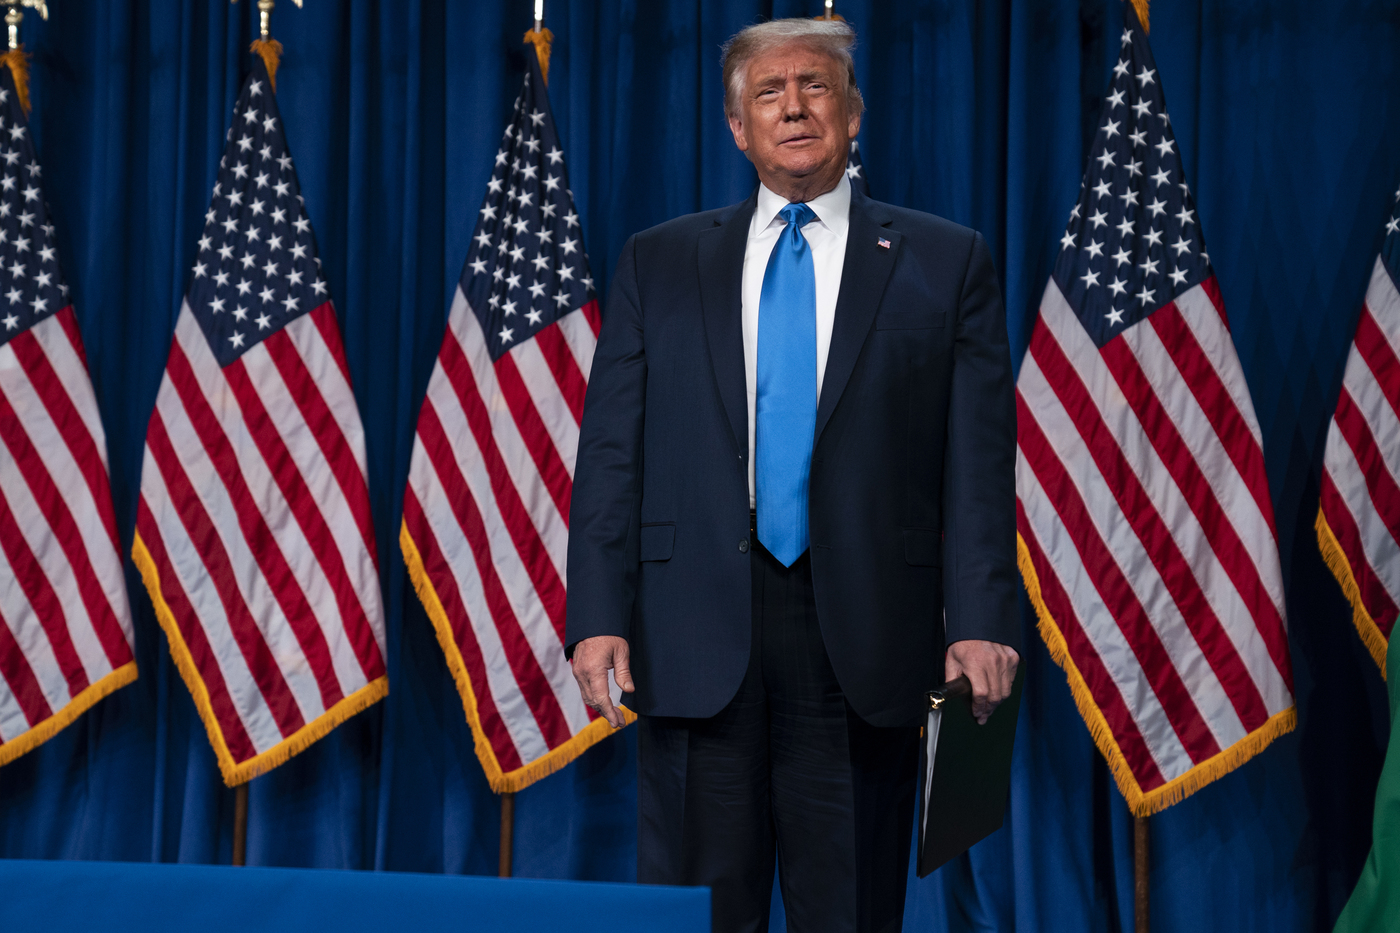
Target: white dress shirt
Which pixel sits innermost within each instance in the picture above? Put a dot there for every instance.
(827, 238)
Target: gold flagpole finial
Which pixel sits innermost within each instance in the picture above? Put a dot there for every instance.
(15, 15)
(542, 39)
(267, 47)
(15, 57)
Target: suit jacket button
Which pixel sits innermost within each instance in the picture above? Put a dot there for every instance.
(743, 545)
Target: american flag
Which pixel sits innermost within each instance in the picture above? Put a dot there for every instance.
(1146, 532)
(253, 530)
(1358, 523)
(486, 512)
(65, 624)
(855, 169)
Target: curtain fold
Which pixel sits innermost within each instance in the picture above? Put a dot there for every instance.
(978, 111)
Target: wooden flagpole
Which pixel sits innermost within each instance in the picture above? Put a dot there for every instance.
(240, 824)
(1141, 921)
(507, 833)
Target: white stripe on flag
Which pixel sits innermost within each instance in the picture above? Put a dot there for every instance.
(515, 578)
(73, 374)
(1130, 555)
(554, 410)
(30, 636)
(329, 500)
(192, 577)
(1103, 633)
(578, 334)
(460, 559)
(326, 373)
(520, 466)
(1210, 331)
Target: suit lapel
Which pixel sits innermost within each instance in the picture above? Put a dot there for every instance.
(721, 259)
(863, 279)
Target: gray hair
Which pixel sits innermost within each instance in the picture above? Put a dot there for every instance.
(832, 37)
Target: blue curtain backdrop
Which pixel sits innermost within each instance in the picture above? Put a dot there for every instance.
(1288, 116)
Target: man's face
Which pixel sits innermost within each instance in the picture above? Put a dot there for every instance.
(793, 122)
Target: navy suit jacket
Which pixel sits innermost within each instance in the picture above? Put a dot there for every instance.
(911, 502)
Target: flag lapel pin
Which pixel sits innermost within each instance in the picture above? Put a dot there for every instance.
(883, 243)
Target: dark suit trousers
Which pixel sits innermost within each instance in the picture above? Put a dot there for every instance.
(788, 771)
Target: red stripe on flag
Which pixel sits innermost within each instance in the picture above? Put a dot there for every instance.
(1107, 697)
(553, 473)
(1118, 596)
(562, 364)
(308, 517)
(272, 563)
(445, 586)
(1385, 494)
(240, 745)
(1204, 382)
(70, 426)
(42, 599)
(525, 667)
(323, 316)
(526, 537)
(1173, 568)
(210, 549)
(1343, 524)
(69, 321)
(595, 320)
(1380, 358)
(104, 622)
(1186, 472)
(319, 419)
(20, 679)
(1211, 286)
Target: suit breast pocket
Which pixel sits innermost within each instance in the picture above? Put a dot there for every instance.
(909, 320)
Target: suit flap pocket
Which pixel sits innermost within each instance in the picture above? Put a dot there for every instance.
(909, 320)
(657, 541)
(923, 547)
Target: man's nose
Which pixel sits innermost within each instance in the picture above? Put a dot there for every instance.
(794, 107)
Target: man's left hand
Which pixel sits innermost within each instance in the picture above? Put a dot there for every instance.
(989, 666)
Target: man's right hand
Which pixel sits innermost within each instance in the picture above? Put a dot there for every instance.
(593, 658)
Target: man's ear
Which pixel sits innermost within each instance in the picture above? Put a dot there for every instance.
(736, 126)
(853, 127)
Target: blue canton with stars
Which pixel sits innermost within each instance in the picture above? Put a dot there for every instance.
(526, 267)
(257, 269)
(855, 170)
(31, 285)
(1134, 241)
(1390, 247)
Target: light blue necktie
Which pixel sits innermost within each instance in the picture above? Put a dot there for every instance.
(786, 418)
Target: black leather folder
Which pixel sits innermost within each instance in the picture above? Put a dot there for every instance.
(965, 771)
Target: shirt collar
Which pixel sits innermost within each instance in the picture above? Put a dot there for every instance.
(833, 209)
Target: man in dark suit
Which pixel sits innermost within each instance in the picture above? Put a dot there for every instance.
(794, 487)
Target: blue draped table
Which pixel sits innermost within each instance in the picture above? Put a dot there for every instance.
(58, 897)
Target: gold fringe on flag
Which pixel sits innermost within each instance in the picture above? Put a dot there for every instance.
(1336, 560)
(502, 782)
(1141, 7)
(1140, 802)
(19, 67)
(542, 41)
(271, 52)
(234, 772)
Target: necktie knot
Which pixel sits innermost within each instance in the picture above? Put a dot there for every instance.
(798, 214)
